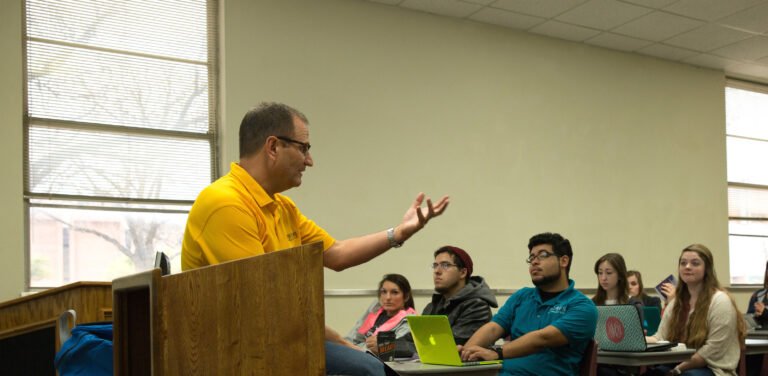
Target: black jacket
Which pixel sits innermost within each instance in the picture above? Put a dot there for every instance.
(467, 311)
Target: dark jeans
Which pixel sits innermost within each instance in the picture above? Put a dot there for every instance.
(342, 360)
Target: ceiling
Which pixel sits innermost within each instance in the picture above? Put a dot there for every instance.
(729, 35)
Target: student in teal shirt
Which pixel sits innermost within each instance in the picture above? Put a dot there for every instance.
(550, 325)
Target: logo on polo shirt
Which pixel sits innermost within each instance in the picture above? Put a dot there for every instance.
(558, 309)
(292, 236)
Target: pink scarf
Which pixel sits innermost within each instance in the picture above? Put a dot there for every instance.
(389, 325)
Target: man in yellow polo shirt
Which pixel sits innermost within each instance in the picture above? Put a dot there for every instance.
(243, 214)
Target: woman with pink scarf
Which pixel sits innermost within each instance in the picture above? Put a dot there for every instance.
(386, 314)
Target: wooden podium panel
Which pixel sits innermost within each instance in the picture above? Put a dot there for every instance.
(30, 349)
(262, 315)
(28, 325)
(91, 300)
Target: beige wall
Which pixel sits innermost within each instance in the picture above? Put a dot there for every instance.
(616, 151)
(11, 151)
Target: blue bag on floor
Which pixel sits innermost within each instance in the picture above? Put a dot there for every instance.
(87, 352)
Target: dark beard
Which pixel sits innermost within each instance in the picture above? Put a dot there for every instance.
(441, 291)
(446, 289)
(548, 279)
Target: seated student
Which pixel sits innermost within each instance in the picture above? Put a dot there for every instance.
(550, 325)
(612, 285)
(703, 317)
(756, 307)
(464, 298)
(613, 288)
(759, 300)
(635, 280)
(387, 313)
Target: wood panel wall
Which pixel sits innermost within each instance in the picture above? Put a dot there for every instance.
(91, 300)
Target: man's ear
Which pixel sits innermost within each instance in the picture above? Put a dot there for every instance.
(270, 147)
(463, 273)
(564, 261)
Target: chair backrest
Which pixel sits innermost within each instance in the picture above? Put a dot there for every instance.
(741, 369)
(163, 263)
(588, 365)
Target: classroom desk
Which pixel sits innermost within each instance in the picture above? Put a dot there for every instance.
(639, 359)
(756, 346)
(417, 368)
(758, 334)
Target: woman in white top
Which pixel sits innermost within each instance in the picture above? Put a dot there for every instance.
(612, 285)
(703, 317)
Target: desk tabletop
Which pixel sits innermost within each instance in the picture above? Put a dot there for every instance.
(758, 334)
(417, 368)
(753, 346)
(639, 359)
(756, 346)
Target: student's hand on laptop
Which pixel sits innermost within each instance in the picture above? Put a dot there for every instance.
(469, 353)
(372, 344)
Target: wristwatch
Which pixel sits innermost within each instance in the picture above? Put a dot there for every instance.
(499, 351)
(391, 237)
(675, 371)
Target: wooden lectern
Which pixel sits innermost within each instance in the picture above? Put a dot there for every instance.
(29, 327)
(262, 315)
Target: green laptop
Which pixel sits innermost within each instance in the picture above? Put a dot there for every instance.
(435, 344)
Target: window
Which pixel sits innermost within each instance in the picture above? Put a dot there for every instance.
(120, 124)
(747, 145)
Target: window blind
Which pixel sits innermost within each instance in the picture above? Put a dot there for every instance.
(120, 132)
(120, 99)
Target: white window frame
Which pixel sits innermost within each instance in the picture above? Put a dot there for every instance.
(108, 203)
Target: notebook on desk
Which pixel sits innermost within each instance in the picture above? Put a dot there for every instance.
(435, 343)
(619, 329)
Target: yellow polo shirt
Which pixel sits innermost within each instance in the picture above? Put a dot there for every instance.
(234, 218)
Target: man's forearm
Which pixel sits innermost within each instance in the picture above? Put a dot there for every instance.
(355, 251)
(486, 335)
(534, 342)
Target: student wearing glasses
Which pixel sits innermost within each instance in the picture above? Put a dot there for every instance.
(465, 298)
(550, 325)
(244, 214)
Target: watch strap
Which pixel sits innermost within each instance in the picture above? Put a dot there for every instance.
(391, 237)
(499, 351)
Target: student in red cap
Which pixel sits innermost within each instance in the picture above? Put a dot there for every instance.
(464, 298)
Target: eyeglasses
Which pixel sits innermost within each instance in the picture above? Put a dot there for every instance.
(541, 256)
(303, 146)
(443, 265)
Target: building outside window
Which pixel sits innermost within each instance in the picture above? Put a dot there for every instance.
(120, 132)
(747, 145)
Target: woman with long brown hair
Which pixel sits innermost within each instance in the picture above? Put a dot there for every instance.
(612, 285)
(636, 290)
(703, 317)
